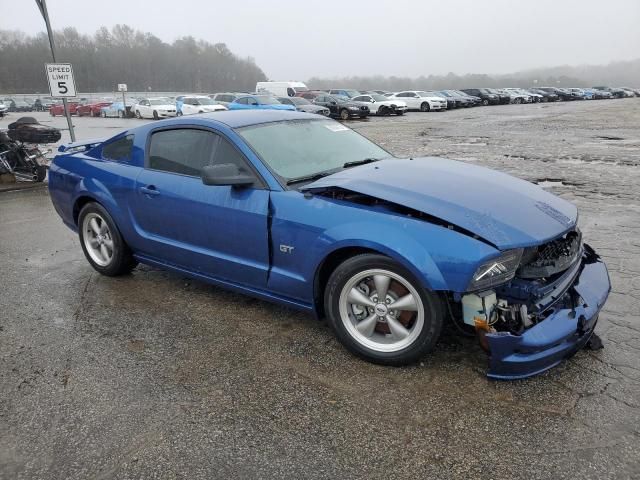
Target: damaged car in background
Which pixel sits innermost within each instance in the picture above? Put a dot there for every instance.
(319, 218)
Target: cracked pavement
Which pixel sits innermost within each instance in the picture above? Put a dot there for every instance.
(157, 376)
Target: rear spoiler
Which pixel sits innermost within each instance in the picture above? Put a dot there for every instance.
(82, 146)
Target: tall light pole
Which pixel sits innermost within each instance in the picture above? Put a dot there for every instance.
(42, 6)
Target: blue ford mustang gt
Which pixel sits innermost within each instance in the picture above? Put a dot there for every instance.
(301, 210)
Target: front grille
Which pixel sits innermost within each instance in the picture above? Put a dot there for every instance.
(551, 258)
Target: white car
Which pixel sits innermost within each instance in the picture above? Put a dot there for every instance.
(199, 104)
(518, 96)
(419, 100)
(156, 108)
(381, 105)
(3, 108)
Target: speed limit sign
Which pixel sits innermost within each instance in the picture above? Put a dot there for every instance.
(61, 82)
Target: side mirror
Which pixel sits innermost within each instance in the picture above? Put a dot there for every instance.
(333, 102)
(226, 174)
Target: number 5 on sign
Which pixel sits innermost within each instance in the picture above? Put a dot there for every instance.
(61, 82)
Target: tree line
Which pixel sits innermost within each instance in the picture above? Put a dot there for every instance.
(124, 55)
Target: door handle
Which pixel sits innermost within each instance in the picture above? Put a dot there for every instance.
(150, 190)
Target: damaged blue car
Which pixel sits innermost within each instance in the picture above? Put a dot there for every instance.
(300, 210)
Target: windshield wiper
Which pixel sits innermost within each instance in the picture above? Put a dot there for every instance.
(309, 178)
(360, 162)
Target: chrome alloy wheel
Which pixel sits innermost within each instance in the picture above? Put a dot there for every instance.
(97, 239)
(381, 310)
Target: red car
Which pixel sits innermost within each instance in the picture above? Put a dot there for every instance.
(91, 109)
(58, 108)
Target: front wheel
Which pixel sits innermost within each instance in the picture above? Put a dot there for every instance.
(485, 102)
(380, 312)
(138, 115)
(425, 107)
(155, 115)
(344, 114)
(102, 244)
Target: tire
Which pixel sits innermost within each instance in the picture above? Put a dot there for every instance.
(485, 102)
(425, 107)
(155, 115)
(344, 114)
(138, 114)
(399, 112)
(383, 111)
(517, 101)
(418, 329)
(41, 173)
(120, 114)
(121, 261)
(103, 114)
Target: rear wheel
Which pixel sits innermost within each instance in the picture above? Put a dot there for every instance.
(138, 115)
(425, 107)
(102, 244)
(155, 115)
(485, 102)
(344, 114)
(380, 312)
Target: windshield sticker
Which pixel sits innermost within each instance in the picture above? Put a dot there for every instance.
(336, 128)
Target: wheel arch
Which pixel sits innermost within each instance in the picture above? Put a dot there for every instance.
(431, 280)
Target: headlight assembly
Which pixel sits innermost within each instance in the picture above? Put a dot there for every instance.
(496, 271)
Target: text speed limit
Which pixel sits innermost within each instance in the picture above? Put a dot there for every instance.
(61, 82)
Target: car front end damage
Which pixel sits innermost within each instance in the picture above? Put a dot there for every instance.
(547, 310)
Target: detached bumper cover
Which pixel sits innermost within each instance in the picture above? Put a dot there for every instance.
(558, 336)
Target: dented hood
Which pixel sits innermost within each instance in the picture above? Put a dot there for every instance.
(503, 210)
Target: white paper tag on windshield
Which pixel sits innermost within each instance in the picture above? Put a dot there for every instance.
(337, 128)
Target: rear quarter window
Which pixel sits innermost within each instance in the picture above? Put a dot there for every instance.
(118, 150)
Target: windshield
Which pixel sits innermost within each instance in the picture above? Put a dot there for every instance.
(299, 101)
(159, 101)
(266, 100)
(205, 101)
(300, 148)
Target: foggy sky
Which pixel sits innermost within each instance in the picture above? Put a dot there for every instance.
(359, 37)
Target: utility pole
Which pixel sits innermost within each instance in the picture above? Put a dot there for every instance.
(42, 6)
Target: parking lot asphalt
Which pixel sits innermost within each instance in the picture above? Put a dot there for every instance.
(154, 375)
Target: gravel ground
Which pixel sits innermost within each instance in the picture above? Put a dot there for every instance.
(158, 376)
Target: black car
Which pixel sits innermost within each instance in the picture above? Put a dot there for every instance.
(546, 96)
(483, 94)
(562, 95)
(503, 98)
(19, 106)
(304, 105)
(616, 92)
(341, 107)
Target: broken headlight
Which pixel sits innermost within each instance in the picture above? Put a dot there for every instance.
(496, 271)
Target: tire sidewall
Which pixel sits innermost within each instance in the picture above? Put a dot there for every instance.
(425, 107)
(121, 256)
(433, 317)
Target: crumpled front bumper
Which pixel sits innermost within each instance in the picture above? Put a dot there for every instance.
(558, 336)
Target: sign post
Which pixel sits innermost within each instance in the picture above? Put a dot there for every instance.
(42, 6)
(122, 87)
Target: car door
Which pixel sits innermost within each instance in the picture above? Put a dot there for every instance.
(218, 231)
(145, 109)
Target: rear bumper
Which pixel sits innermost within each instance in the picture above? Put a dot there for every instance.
(557, 337)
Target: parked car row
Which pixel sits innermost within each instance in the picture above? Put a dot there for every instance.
(341, 103)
